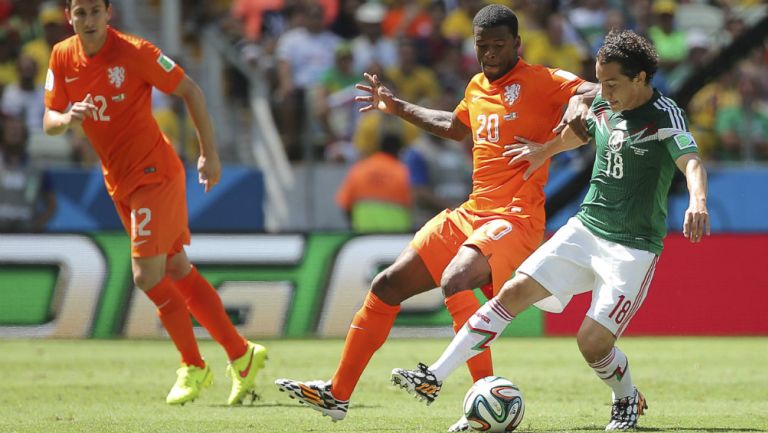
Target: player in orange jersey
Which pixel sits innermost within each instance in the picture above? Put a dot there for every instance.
(481, 242)
(102, 80)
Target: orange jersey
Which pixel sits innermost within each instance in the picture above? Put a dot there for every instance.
(120, 78)
(526, 102)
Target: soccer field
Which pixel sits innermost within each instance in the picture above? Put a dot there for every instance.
(692, 385)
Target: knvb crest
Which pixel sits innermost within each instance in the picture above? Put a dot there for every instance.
(116, 76)
(617, 139)
(511, 93)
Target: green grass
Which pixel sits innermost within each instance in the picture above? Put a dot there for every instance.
(692, 385)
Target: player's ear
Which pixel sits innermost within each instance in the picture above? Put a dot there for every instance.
(68, 16)
(641, 77)
(109, 11)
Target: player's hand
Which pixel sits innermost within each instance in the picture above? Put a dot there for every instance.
(209, 171)
(576, 117)
(696, 222)
(378, 97)
(526, 151)
(80, 110)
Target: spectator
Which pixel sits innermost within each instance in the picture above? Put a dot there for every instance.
(550, 49)
(335, 106)
(458, 23)
(699, 44)
(27, 200)
(52, 21)
(589, 18)
(670, 43)
(743, 128)
(406, 19)
(441, 175)
(303, 53)
(412, 81)
(345, 24)
(251, 13)
(372, 46)
(376, 195)
(430, 43)
(8, 54)
(25, 98)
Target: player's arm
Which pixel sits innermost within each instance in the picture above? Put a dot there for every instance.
(537, 154)
(208, 165)
(57, 122)
(578, 109)
(441, 123)
(696, 222)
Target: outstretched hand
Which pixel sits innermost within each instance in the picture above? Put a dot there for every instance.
(526, 151)
(379, 97)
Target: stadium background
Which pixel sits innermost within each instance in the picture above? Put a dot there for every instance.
(271, 237)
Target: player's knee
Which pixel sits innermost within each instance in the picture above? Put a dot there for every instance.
(593, 347)
(146, 280)
(453, 283)
(386, 289)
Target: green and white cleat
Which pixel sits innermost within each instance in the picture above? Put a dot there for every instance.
(190, 380)
(243, 372)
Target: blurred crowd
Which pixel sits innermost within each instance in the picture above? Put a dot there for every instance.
(313, 52)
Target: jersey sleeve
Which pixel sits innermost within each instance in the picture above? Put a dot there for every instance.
(674, 133)
(592, 116)
(158, 69)
(56, 97)
(563, 84)
(462, 112)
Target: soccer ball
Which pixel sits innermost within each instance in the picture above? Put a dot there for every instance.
(494, 404)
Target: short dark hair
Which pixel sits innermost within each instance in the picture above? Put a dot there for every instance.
(495, 15)
(68, 3)
(631, 51)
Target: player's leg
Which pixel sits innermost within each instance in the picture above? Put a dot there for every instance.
(539, 279)
(155, 228)
(623, 277)
(246, 358)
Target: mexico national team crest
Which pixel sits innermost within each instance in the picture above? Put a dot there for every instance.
(116, 76)
(616, 140)
(511, 93)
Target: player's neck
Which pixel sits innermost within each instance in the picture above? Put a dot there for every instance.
(91, 48)
(645, 95)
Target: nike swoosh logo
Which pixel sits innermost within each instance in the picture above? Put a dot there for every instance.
(137, 243)
(244, 373)
(70, 79)
(356, 327)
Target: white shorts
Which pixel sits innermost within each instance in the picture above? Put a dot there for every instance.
(575, 261)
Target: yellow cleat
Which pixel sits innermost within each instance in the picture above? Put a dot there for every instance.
(190, 380)
(243, 372)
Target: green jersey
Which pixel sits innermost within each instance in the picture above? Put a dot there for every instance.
(635, 161)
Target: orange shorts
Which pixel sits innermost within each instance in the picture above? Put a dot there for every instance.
(155, 217)
(505, 239)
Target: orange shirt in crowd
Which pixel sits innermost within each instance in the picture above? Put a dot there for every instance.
(379, 177)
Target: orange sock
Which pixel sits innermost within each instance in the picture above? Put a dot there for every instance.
(205, 304)
(175, 317)
(368, 331)
(462, 306)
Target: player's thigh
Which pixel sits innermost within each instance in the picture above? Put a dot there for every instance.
(439, 240)
(562, 266)
(503, 243)
(623, 276)
(159, 223)
(406, 277)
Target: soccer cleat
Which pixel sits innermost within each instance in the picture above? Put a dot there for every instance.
(317, 395)
(190, 380)
(626, 411)
(461, 425)
(421, 382)
(243, 372)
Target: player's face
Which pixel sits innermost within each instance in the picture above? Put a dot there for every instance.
(89, 19)
(620, 91)
(496, 49)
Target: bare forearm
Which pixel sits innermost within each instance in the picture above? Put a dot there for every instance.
(55, 123)
(435, 122)
(696, 178)
(563, 142)
(195, 101)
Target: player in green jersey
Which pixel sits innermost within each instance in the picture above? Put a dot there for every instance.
(612, 245)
